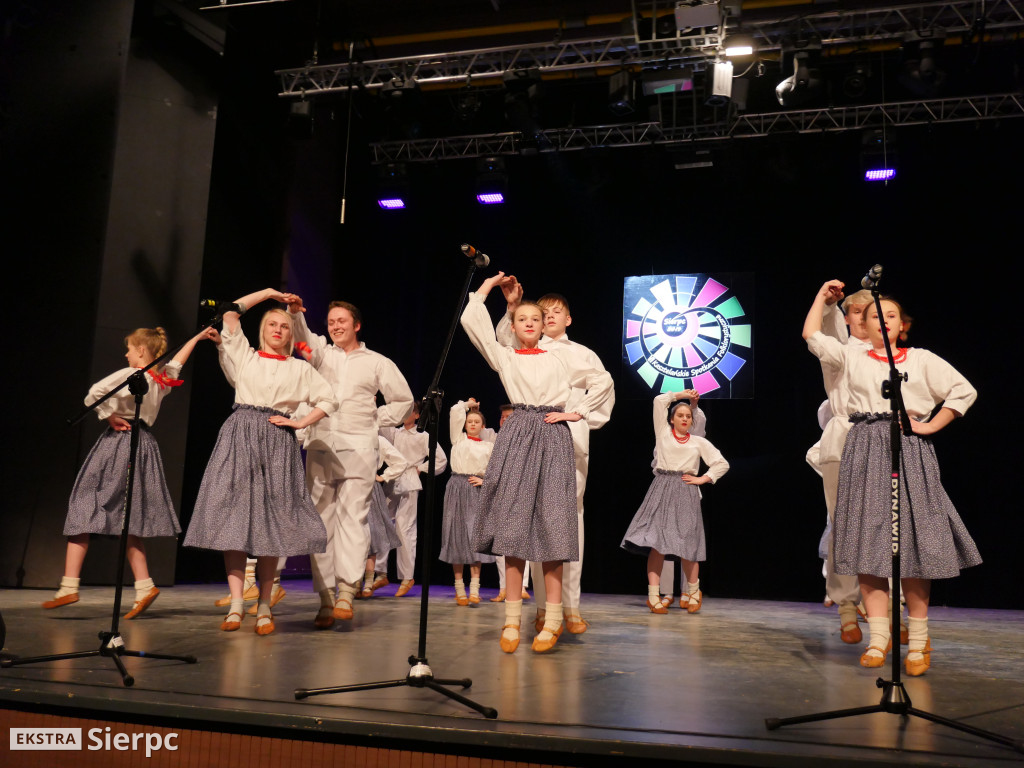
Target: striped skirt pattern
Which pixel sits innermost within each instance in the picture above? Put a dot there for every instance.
(528, 499)
(383, 536)
(461, 509)
(669, 520)
(253, 497)
(97, 499)
(934, 543)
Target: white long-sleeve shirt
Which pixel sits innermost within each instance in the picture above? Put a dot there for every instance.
(833, 438)
(684, 458)
(270, 383)
(469, 456)
(546, 378)
(930, 379)
(393, 457)
(123, 403)
(356, 377)
(415, 447)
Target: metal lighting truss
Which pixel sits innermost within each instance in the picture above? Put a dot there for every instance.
(836, 28)
(824, 120)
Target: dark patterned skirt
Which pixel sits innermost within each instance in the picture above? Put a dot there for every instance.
(253, 497)
(934, 543)
(528, 499)
(669, 520)
(461, 509)
(97, 500)
(383, 536)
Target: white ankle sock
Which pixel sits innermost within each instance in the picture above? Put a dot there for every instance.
(693, 589)
(878, 627)
(918, 630)
(474, 586)
(68, 586)
(654, 593)
(553, 620)
(142, 588)
(237, 606)
(346, 592)
(460, 588)
(513, 615)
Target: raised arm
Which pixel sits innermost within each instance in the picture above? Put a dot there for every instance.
(477, 324)
(831, 291)
(249, 301)
(456, 421)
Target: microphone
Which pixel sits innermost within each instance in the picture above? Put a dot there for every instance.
(225, 306)
(480, 259)
(870, 280)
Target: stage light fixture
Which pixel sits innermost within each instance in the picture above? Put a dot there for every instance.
(622, 93)
(739, 44)
(921, 72)
(855, 82)
(491, 181)
(720, 75)
(806, 82)
(392, 186)
(878, 157)
(698, 13)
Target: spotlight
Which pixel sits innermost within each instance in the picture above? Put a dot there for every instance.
(878, 156)
(806, 81)
(491, 181)
(855, 82)
(392, 186)
(921, 73)
(738, 45)
(621, 93)
(721, 84)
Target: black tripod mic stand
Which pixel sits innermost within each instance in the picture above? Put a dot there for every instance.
(420, 675)
(895, 699)
(111, 643)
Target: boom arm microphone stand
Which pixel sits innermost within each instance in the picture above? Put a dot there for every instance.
(895, 699)
(111, 643)
(420, 674)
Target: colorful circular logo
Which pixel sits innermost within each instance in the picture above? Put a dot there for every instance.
(681, 332)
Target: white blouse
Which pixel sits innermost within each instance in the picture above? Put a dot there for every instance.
(684, 458)
(279, 384)
(930, 379)
(469, 457)
(123, 403)
(546, 378)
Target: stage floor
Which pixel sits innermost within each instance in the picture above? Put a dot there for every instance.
(637, 686)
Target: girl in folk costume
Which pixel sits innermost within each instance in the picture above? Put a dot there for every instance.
(470, 454)
(253, 498)
(98, 497)
(528, 498)
(669, 521)
(935, 543)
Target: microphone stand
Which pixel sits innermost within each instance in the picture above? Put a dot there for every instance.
(111, 643)
(895, 699)
(420, 675)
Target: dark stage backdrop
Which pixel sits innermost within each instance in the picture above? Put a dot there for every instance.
(791, 211)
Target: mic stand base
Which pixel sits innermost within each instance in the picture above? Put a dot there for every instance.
(112, 647)
(895, 701)
(420, 676)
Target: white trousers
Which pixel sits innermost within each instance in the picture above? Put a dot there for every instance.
(340, 484)
(402, 507)
(839, 587)
(571, 571)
